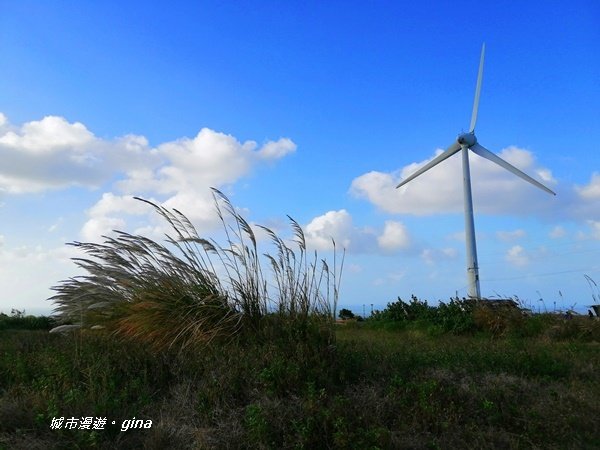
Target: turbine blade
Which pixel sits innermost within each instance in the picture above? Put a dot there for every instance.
(435, 161)
(485, 153)
(477, 91)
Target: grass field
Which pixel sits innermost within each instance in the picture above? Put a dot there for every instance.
(190, 344)
(409, 387)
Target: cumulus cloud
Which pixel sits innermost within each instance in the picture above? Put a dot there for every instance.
(595, 226)
(96, 227)
(213, 158)
(48, 266)
(432, 256)
(583, 202)
(111, 203)
(53, 153)
(354, 268)
(391, 278)
(276, 150)
(50, 135)
(55, 226)
(188, 167)
(339, 225)
(395, 236)
(439, 190)
(459, 236)
(513, 235)
(336, 225)
(107, 215)
(557, 232)
(590, 191)
(517, 256)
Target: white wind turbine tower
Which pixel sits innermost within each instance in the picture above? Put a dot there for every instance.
(464, 143)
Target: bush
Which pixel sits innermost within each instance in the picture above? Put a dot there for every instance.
(345, 314)
(456, 316)
(19, 321)
(191, 290)
(497, 321)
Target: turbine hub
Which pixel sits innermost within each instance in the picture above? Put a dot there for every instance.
(466, 139)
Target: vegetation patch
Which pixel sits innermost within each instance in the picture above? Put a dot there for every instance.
(190, 290)
(192, 345)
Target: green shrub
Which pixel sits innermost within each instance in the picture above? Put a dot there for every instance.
(25, 322)
(401, 311)
(455, 317)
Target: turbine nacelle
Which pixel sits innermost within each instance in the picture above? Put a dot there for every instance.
(466, 140)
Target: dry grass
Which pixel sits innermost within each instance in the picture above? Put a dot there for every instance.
(191, 290)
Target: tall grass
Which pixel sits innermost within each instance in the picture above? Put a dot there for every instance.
(191, 290)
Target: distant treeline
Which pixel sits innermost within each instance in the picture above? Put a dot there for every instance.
(17, 320)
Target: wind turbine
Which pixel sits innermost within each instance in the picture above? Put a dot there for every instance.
(464, 143)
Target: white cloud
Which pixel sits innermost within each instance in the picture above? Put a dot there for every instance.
(517, 256)
(210, 159)
(354, 268)
(439, 190)
(49, 135)
(180, 173)
(96, 227)
(392, 278)
(49, 266)
(378, 282)
(433, 256)
(595, 226)
(557, 232)
(277, 150)
(336, 225)
(508, 236)
(111, 203)
(580, 202)
(395, 236)
(52, 228)
(106, 215)
(450, 252)
(339, 225)
(53, 153)
(590, 191)
(427, 256)
(396, 276)
(459, 236)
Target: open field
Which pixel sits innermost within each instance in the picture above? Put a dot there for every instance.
(411, 387)
(190, 344)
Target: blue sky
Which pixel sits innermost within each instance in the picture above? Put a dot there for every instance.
(312, 109)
